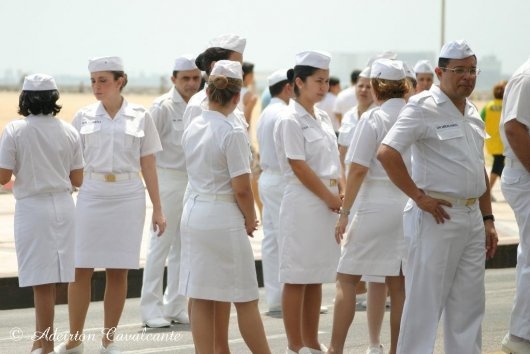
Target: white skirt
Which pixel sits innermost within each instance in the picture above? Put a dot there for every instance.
(308, 251)
(110, 219)
(44, 239)
(375, 244)
(217, 262)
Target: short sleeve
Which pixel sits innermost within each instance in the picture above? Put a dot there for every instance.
(151, 140)
(293, 139)
(237, 151)
(7, 149)
(516, 104)
(364, 144)
(409, 128)
(77, 148)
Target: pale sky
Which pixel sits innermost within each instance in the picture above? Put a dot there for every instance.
(58, 36)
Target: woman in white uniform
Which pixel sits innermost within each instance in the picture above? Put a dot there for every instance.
(306, 147)
(218, 215)
(119, 141)
(375, 243)
(44, 153)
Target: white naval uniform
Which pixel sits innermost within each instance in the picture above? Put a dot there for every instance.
(217, 259)
(110, 215)
(167, 112)
(308, 251)
(41, 150)
(346, 100)
(375, 244)
(516, 189)
(271, 186)
(445, 265)
(328, 105)
(349, 122)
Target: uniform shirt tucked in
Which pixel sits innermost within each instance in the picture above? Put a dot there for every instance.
(41, 151)
(300, 136)
(216, 150)
(167, 112)
(369, 134)
(447, 147)
(491, 115)
(264, 132)
(116, 145)
(516, 104)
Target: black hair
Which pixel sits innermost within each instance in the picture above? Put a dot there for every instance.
(38, 102)
(247, 68)
(354, 76)
(443, 62)
(301, 71)
(334, 81)
(205, 59)
(277, 88)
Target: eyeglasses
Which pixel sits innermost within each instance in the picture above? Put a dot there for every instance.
(462, 71)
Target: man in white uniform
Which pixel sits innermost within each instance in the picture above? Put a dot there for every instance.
(515, 121)
(424, 75)
(271, 186)
(167, 112)
(447, 221)
(346, 99)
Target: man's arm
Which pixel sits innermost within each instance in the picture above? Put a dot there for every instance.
(519, 140)
(489, 226)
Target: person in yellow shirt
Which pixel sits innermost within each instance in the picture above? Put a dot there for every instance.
(491, 115)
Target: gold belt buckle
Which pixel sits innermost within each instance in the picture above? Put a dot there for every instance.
(332, 182)
(470, 201)
(110, 178)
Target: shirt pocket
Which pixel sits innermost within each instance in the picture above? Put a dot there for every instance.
(133, 137)
(178, 124)
(452, 141)
(314, 140)
(90, 134)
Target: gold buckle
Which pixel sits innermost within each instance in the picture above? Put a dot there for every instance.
(470, 201)
(110, 178)
(332, 182)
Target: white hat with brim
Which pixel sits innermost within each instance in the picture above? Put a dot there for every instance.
(39, 82)
(365, 73)
(458, 49)
(408, 71)
(185, 62)
(314, 58)
(423, 67)
(277, 76)
(230, 42)
(384, 55)
(105, 64)
(387, 69)
(228, 68)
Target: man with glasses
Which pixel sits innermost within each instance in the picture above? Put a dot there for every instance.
(447, 222)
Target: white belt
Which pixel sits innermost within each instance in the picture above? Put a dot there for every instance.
(452, 200)
(213, 197)
(508, 162)
(328, 182)
(112, 177)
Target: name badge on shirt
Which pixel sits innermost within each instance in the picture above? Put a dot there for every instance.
(449, 131)
(90, 126)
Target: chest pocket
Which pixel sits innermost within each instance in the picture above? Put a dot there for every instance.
(452, 140)
(314, 141)
(178, 124)
(90, 133)
(133, 136)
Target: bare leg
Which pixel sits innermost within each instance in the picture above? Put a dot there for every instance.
(113, 302)
(311, 315)
(292, 302)
(44, 299)
(344, 310)
(221, 321)
(396, 288)
(375, 311)
(251, 327)
(79, 293)
(202, 325)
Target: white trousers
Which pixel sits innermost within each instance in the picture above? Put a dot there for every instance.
(516, 189)
(271, 187)
(172, 185)
(445, 273)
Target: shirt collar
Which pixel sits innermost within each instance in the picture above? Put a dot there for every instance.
(175, 95)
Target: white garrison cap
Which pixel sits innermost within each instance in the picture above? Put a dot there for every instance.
(230, 42)
(185, 62)
(387, 69)
(408, 71)
(423, 67)
(316, 59)
(105, 64)
(228, 68)
(365, 73)
(458, 49)
(39, 82)
(384, 55)
(277, 76)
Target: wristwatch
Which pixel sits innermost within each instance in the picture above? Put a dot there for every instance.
(488, 217)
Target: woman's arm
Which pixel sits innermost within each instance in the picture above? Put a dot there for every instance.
(148, 164)
(76, 177)
(5, 176)
(245, 201)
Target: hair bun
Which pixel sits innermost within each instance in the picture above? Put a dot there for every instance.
(220, 82)
(290, 75)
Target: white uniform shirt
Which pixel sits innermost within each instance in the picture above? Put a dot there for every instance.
(516, 103)
(265, 134)
(167, 112)
(41, 151)
(372, 128)
(328, 105)
(216, 150)
(447, 147)
(348, 124)
(116, 145)
(299, 136)
(346, 100)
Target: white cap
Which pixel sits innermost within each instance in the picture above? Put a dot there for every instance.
(228, 68)
(385, 55)
(365, 73)
(408, 71)
(316, 59)
(277, 76)
(423, 67)
(185, 62)
(230, 42)
(39, 82)
(387, 69)
(458, 49)
(105, 64)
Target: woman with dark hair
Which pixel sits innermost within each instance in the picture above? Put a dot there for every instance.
(44, 153)
(374, 246)
(119, 141)
(218, 263)
(306, 147)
